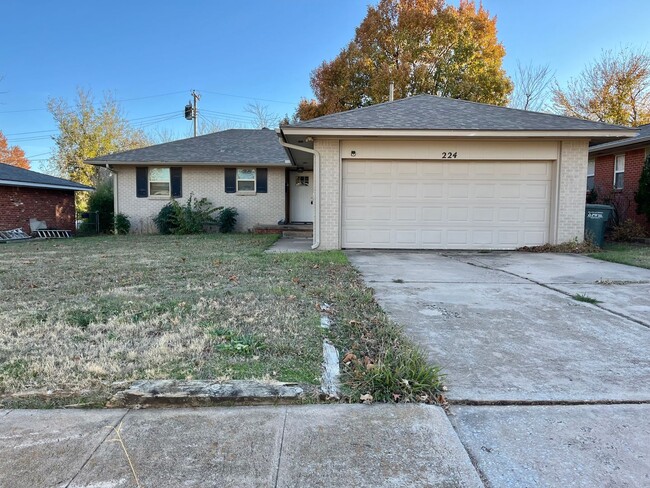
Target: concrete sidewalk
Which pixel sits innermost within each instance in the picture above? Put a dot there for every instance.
(317, 445)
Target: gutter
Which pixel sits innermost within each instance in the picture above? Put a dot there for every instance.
(24, 184)
(316, 154)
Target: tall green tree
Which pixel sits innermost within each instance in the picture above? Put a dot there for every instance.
(87, 130)
(642, 195)
(615, 88)
(423, 46)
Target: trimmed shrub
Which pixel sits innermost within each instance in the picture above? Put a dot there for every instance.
(227, 220)
(122, 224)
(101, 200)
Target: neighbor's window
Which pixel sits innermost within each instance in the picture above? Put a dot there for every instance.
(159, 182)
(245, 179)
(619, 171)
(591, 171)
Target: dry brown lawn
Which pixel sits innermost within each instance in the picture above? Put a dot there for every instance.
(79, 315)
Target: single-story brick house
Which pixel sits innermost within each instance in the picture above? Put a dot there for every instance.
(423, 172)
(26, 195)
(614, 170)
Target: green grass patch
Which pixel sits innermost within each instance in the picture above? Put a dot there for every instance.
(584, 298)
(631, 254)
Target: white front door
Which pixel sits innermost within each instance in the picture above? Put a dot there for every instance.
(302, 196)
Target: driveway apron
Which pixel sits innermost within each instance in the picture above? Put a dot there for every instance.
(522, 356)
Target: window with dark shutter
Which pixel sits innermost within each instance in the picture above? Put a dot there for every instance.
(230, 179)
(176, 178)
(262, 186)
(141, 182)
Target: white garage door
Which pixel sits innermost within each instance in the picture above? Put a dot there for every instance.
(445, 205)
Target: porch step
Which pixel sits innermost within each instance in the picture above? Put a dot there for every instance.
(306, 233)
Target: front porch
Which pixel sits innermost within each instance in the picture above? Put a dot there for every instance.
(286, 230)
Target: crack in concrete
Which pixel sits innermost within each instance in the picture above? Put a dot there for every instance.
(284, 428)
(110, 431)
(549, 287)
(541, 403)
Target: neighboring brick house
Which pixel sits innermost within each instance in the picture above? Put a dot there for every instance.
(615, 169)
(423, 172)
(26, 195)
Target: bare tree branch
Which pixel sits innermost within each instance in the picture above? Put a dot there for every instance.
(262, 117)
(532, 87)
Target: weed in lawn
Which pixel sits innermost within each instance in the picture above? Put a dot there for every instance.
(80, 318)
(584, 298)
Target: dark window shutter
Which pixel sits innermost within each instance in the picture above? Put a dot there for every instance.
(262, 186)
(141, 182)
(231, 180)
(176, 177)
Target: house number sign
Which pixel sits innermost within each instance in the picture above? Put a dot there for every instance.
(449, 155)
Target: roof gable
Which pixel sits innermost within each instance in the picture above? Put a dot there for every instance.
(429, 112)
(13, 176)
(233, 146)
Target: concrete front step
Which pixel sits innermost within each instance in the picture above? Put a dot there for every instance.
(307, 234)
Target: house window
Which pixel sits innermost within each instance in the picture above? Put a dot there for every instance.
(159, 182)
(591, 172)
(245, 180)
(619, 171)
(302, 180)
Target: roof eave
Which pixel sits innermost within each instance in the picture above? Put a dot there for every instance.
(26, 184)
(416, 133)
(620, 145)
(282, 164)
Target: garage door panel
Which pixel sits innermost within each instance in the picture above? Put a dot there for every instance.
(478, 205)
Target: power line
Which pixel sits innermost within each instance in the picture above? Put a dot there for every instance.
(248, 98)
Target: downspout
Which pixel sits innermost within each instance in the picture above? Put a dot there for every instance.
(316, 155)
(116, 200)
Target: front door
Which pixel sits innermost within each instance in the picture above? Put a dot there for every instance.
(302, 196)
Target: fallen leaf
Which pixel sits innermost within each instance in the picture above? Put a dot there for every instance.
(366, 399)
(349, 357)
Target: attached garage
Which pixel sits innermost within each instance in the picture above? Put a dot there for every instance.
(427, 172)
(445, 205)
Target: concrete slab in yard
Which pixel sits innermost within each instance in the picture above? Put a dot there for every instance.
(501, 341)
(568, 446)
(191, 447)
(49, 447)
(376, 446)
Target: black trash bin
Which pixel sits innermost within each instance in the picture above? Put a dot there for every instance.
(596, 218)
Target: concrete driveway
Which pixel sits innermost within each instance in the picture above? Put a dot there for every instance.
(521, 355)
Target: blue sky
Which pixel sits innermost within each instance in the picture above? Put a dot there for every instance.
(235, 52)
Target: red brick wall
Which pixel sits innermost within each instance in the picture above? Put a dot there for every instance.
(19, 204)
(623, 199)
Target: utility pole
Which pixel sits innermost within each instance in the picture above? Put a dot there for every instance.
(195, 114)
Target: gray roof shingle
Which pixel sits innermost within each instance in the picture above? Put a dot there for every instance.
(233, 146)
(13, 176)
(641, 137)
(429, 112)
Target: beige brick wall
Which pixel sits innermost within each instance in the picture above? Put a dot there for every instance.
(330, 184)
(571, 191)
(208, 182)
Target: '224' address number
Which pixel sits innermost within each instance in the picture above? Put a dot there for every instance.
(449, 155)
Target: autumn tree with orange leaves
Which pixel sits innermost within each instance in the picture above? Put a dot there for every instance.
(423, 46)
(13, 156)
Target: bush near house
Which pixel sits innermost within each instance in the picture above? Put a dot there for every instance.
(642, 195)
(190, 218)
(122, 224)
